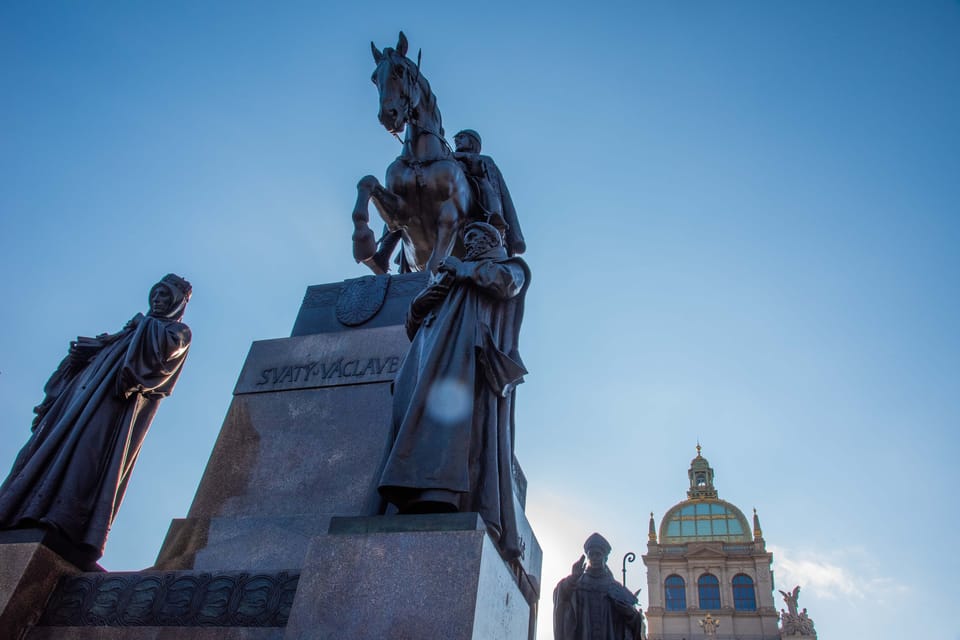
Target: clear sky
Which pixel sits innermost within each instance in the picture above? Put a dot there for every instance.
(742, 219)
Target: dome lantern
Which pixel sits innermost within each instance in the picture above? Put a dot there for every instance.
(701, 478)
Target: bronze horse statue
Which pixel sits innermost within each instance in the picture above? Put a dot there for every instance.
(428, 198)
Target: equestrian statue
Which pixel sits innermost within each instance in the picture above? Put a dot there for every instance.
(431, 194)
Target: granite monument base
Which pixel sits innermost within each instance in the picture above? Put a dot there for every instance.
(284, 538)
(29, 572)
(304, 440)
(407, 577)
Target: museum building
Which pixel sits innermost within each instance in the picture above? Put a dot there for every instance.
(707, 572)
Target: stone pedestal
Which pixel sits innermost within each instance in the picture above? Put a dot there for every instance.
(29, 572)
(304, 439)
(306, 436)
(436, 576)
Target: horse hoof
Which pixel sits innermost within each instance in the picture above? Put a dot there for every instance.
(381, 263)
(367, 183)
(375, 266)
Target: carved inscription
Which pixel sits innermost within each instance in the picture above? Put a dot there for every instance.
(328, 372)
(337, 359)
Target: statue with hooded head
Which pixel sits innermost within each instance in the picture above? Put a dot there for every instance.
(454, 393)
(590, 604)
(70, 477)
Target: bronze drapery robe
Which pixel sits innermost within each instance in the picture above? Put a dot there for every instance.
(595, 607)
(72, 473)
(454, 395)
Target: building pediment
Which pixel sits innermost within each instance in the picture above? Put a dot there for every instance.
(705, 550)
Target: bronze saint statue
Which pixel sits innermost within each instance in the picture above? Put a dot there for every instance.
(590, 604)
(454, 394)
(71, 475)
(427, 200)
(490, 189)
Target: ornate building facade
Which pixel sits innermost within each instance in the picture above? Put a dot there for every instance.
(708, 574)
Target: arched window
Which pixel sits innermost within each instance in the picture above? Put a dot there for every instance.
(709, 588)
(744, 598)
(676, 592)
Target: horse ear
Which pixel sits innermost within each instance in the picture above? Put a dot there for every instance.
(402, 44)
(377, 56)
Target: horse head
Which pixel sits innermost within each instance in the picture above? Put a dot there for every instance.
(403, 91)
(427, 196)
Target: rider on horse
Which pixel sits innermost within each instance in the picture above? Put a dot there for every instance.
(492, 196)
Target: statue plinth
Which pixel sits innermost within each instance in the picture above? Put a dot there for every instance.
(303, 441)
(414, 576)
(29, 571)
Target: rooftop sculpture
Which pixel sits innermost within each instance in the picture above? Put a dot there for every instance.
(792, 621)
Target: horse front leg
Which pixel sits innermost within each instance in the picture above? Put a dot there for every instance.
(388, 205)
(364, 242)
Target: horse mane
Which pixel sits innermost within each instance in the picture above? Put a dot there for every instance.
(431, 103)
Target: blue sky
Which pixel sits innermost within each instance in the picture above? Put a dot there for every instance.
(741, 219)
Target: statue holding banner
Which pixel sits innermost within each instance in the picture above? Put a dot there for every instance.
(71, 475)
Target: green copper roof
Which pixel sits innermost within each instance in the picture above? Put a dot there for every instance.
(704, 520)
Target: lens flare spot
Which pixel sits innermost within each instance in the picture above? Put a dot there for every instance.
(449, 401)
